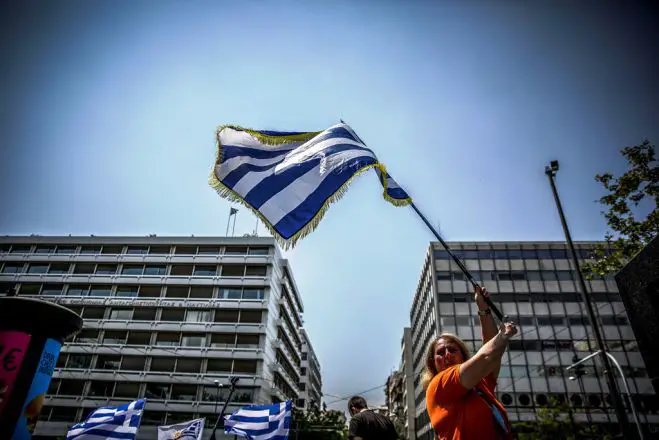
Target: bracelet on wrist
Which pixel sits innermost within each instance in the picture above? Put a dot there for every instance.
(485, 312)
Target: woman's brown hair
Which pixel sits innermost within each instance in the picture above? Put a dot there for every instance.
(429, 370)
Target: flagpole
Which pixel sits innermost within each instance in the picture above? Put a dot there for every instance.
(233, 231)
(229, 222)
(462, 267)
(234, 380)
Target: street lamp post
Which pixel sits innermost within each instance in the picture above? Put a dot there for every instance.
(613, 360)
(220, 416)
(551, 171)
(217, 393)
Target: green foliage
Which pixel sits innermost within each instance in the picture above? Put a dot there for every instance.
(627, 235)
(320, 425)
(556, 422)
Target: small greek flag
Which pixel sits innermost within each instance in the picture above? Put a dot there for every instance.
(261, 422)
(289, 179)
(120, 422)
(192, 430)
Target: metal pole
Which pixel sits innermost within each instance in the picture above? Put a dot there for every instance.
(233, 231)
(550, 171)
(217, 393)
(234, 380)
(462, 267)
(228, 223)
(624, 382)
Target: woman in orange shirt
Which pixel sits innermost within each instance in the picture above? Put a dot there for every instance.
(460, 389)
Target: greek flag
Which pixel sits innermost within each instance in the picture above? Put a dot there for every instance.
(289, 179)
(110, 422)
(261, 422)
(192, 430)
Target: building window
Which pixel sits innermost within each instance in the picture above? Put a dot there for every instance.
(223, 340)
(159, 250)
(255, 271)
(81, 361)
(201, 292)
(149, 292)
(90, 250)
(101, 388)
(112, 250)
(233, 270)
(185, 250)
(63, 414)
(126, 389)
(59, 268)
(87, 336)
(155, 269)
(114, 337)
(132, 269)
(253, 293)
(93, 312)
(100, 291)
(235, 250)
(52, 289)
(184, 392)
(184, 365)
(157, 391)
(253, 250)
(137, 250)
(37, 268)
(231, 293)
(172, 315)
(106, 269)
(163, 364)
(168, 339)
(208, 250)
(77, 290)
(108, 362)
(66, 250)
(226, 316)
(127, 291)
(247, 341)
(251, 316)
(181, 270)
(71, 387)
(122, 314)
(176, 292)
(144, 313)
(12, 268)
(41, 249)
(205, 271)
(198, 316)
(194, 340)
(84, 268)
(138, 338)
(219, 366)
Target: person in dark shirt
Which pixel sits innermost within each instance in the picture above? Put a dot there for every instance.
(368, 425)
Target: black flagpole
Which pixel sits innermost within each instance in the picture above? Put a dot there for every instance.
(462, 267)
(224, 408)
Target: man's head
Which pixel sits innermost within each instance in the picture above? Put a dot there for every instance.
(356, 404)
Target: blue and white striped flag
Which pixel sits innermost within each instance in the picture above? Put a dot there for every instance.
(120, 422)
(289, 179)
(261, 422)
(192, 430)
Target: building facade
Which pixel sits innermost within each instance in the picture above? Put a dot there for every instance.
(400, 389)
(533, 283)
(170, 319)
(311, 384)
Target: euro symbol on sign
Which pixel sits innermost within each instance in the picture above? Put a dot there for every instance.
(9, 358)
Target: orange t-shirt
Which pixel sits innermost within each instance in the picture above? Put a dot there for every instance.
(457, 413)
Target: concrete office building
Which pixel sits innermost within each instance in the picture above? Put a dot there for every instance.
(311, 385)
(400, 389)
(535, 285)
(164, 318)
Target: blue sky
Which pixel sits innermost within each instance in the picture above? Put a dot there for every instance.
(109, 111)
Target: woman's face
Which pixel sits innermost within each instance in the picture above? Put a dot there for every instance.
(447, 353)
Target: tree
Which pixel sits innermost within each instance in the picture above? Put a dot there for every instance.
(637, 189)
(320, 425)
(556, 422)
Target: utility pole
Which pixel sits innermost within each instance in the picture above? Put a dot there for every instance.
(220, 416)
(551, 171)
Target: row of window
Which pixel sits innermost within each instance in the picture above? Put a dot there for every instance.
(513, 254)
(538, 320)
(185, 270)
(560, 345)
(108, 249)
(174, 292)
(644, 403)
(230, 316)
(512, 275)
(557, 297)
(518, 371)
(146, 338)
(159, 364)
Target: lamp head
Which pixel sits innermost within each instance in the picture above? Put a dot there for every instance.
(554, 165)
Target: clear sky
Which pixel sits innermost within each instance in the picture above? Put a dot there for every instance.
(109, 111)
